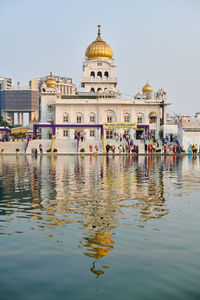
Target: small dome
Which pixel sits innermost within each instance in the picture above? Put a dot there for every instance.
(51, 82)
(137, 96)
(147, 88)
(99, 49)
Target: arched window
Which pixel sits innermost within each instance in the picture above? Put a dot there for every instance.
(92, 90)
(99, 90)
(99, 74)
(92, 117)
(140, 118)
(79, 118)
(65, 117)
(106, 74)
(152, 117)
(92, 74)
(110, 116)
(126, 117)
(105, 89)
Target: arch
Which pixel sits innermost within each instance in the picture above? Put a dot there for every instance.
(152, 114)
(92, 90)
(79, 117)
(140, 118)
(99, 73)
(92, 117)
(140, 114)
(65, 117)
(106, 74)
(110, 116)
(99, 90)
(126, 117)
(105, 89)
(92, 74)
(152, 117)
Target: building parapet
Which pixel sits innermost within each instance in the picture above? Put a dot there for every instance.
(99, 79)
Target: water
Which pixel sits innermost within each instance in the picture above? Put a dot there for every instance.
(99, 227)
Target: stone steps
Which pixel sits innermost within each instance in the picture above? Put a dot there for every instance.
(34, 144)
(64, 146)
(10, 147)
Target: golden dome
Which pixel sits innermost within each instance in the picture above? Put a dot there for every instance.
(137, 95)
(51, 82)
(99, 49)
(147, 88)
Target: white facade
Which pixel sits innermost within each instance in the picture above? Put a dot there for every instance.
(100, 103)
(98, 75)
(92, 110)
(47, 108)
(189, 131)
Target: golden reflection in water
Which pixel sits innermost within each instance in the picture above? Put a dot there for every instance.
(96, 192)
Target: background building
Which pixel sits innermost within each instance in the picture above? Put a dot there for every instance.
(189, 130)
(14, 103)
(64, 84)
(5, 83)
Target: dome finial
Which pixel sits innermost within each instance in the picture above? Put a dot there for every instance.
(51, 82)
(99, 30)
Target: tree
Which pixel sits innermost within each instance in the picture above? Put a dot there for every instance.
(3, 122)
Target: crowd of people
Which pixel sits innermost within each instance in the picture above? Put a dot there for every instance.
(193, 149)
(125, 144)
(122, 148)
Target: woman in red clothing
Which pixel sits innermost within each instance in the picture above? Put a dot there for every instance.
(149, 148)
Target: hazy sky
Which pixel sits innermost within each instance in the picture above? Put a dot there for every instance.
(158, 40)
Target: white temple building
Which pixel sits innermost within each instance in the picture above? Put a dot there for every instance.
(189, 131)
(101, 103)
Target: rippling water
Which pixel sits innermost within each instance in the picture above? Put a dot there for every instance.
(86, 227)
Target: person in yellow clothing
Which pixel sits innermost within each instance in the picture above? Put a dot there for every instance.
(193, 148)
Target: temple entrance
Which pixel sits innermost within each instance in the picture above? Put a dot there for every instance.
(79, 134)
(139, 134)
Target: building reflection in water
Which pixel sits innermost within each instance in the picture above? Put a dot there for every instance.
(93, 191)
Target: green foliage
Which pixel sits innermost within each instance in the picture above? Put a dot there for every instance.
(158, 150)
(49, 150)
(17, 150)
(82, 150)
(3, 123)
(2, 150)
(55, 150)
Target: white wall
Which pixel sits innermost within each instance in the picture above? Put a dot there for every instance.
(191, 138)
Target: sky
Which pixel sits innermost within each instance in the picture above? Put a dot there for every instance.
(154, 40)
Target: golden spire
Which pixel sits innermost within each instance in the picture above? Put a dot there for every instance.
(99, 30)
(51, 82)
